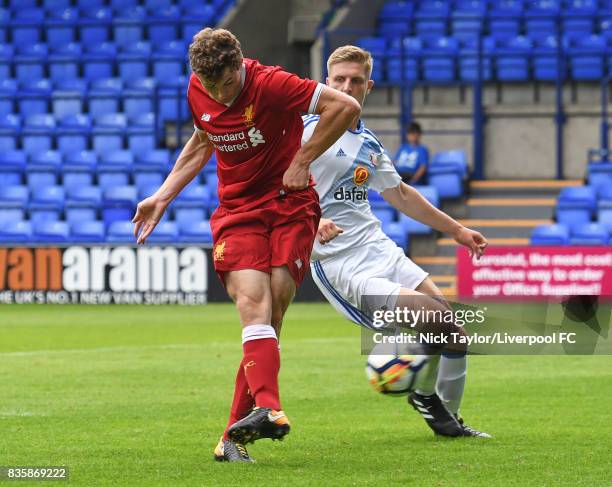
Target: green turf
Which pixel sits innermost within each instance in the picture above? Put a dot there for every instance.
(139, 396)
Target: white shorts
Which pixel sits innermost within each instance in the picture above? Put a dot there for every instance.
(361, 281)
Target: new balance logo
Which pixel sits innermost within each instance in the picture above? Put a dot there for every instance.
(205, 117)
(340, 153)
(256, 137)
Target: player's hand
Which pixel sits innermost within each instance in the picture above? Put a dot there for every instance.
(473, 240)
(148, 214)
(296, 177)
(327, 231)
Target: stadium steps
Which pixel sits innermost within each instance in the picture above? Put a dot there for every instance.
(510, 208)
(448, 247)
(542, 188)
(503, 228)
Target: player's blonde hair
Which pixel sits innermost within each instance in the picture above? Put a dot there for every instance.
(213, 50)
(352, 54)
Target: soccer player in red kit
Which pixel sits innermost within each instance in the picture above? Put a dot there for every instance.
(268, 212)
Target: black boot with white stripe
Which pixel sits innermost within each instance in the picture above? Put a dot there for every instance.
(438, 418)
(468, 431)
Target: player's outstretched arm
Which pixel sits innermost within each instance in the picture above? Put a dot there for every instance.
(410, 202)
(193, 158)
(337, 112)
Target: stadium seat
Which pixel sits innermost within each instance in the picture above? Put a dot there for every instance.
(10, 131)
(430, 193)
(141, 133)
(453, 157)
(545, 59)
(5, 20)
(150, 169)
(15, 231)
(169, 60)
(172, 101)
(68, 97)
(12, 167)
(99, 60)
(403, 56)
(7, 51)
(587, 58)
(56, 4)
(163, 23)
(128, 25)
(118, 203)
(50, 231)
(8, 94)
(447, 178)
(165, 232)
(104, 96)
(64, 61)
(87, 232)
(79, 168)
(30, 61)
(575, 205)
(588, 234)
(413, 227)
(33, 96)
(397, 232)
(60, 25)
(385, 214)
(512, 59)
(26, 25)
(195, 18)
(556, 234)
(37, 133)
(431, 18)
(115, 168)
(138, 96)
(195, 232)
(43, 169)
(121, 231)
(108, 134)
(94, 24)
(599, 174)
(46, 203)
(13, 202)
(82, 203)
(604, 209)
(73, 133)
(133, 61)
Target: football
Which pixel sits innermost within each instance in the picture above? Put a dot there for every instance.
(395, 374)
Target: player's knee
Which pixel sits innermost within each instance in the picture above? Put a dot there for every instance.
(253, 305)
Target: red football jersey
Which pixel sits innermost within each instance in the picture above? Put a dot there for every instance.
(257, 136)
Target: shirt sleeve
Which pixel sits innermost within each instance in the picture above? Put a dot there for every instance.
(386, 175)
(286, 91)
(196, 121)
(310, 122)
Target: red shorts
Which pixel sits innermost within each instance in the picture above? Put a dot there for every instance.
(281, 231)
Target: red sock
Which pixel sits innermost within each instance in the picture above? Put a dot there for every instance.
(261, 366)
(242, 402)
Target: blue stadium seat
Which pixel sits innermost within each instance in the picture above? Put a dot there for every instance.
(438, 70)
(8, 94)
(33, 96)
(386, 214)
(395, 19)
(87, 232)
(37, 133)
(158, 4)
(43, 169)
(104, 96)
(555, 234)
(94, 25)
(13, 202)
(121, 231)
(545, 59)
(587, 58)
(109, 132)
(5, 20)
(15, 231)
(447, 178)
(99, 60)
(7, 51)
(138, 96)
(413, 227)
(397, 232)
(163, 23)
(60, 26)
(15, 4)
(195, 18)
(68, 97)
(504, 28)
(410, 49)
(588, 234)
(512, 59)
(575, 205)
(454, 157)
(56, 4)
(115, 168)
(64, 61)
(169, 60)
(430, 193)
(431, 18)
(50, 231)
(46, 203)
(377, 46)
(30, 61)
(73, 133)
(12, 167)
(172, 101)
(468, 58)
(26, 25)
(128, 25)
(79, 168)
(195, 232)
(604, 208)
(193, 196)
(118, 203)
(133, 61)
(150, 168)
(141, 133)
(439, 59)
(124, 3)
(165, 232)
(82, 203)
(599, 174)
(10, 130)
(540, 27)
(547, 9)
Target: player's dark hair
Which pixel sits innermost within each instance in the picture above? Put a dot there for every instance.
(212, 51)
(414, 128)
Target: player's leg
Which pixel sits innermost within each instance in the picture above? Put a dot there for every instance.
(283, 290)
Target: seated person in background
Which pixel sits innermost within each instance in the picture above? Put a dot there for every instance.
(412, 157)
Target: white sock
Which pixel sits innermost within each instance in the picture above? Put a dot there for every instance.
(451, 381)
(257, 332)
(427, 382)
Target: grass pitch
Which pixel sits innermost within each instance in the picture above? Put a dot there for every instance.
(139, 396)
